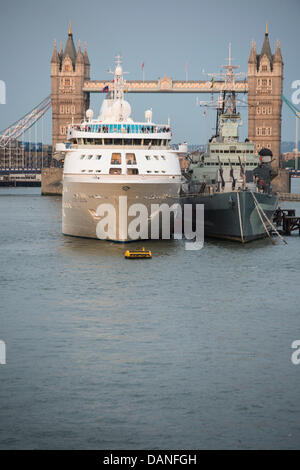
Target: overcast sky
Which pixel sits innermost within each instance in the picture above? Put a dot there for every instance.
(164, 34)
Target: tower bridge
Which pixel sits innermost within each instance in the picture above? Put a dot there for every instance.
(71, 87)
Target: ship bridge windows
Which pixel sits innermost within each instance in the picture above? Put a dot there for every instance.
(130, 159)
(116, 159)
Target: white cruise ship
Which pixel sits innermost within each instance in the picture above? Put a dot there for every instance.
(111, 157)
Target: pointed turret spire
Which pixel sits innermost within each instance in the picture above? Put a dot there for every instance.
(70, 28)
(278, 55)
(79, 57)
(55, 56)
(266, 48)
(85, 55)
(252, 57)
(70, 48)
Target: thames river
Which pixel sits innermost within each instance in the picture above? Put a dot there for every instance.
(189, 350)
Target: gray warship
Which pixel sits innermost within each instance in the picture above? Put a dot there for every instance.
(232, 182)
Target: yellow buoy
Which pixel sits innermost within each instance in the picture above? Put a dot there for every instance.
(138, 254)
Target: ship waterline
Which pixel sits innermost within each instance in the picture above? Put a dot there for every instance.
(85, 203)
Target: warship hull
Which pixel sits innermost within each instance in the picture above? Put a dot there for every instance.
(224, 220)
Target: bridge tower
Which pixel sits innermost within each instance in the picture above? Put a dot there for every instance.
(69, 69)
(265, 81)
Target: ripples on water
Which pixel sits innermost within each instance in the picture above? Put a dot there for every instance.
(187, 350)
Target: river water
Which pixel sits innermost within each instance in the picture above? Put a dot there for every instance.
(191, 349)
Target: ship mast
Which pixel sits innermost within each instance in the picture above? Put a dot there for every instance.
(226, 103)
(119, 83)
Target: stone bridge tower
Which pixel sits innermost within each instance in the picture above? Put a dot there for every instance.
(265, 80)
(69, 69)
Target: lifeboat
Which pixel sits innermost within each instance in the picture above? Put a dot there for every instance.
(138, 254)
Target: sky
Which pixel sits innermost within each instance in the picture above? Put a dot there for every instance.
(164, 34)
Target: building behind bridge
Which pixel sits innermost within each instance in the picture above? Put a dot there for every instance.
(19, 154)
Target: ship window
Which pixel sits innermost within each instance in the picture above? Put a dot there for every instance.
(90, 171)
(130, 159)
(90, 157)
(147, 157)
(115, 171)
(147, 141)
(98, 157)
(156, 157)
(148, 171)
(82, 171)
(117, 141)
(137, 141)
(163, 171)
(82, 157)
(156, 171)
(116, 159)
(98, 171)
(163, 157)
(132, 171)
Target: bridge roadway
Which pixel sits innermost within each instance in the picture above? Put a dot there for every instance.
(167, 85)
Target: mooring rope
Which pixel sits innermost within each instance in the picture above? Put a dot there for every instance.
(240, 217)
(260, 209)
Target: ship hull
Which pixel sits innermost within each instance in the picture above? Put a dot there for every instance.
(82, 199)
(221, 214)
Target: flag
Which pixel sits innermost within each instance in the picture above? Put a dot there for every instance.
(105, 89)
(143, 65)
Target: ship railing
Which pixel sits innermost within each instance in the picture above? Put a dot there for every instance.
(120, 128)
